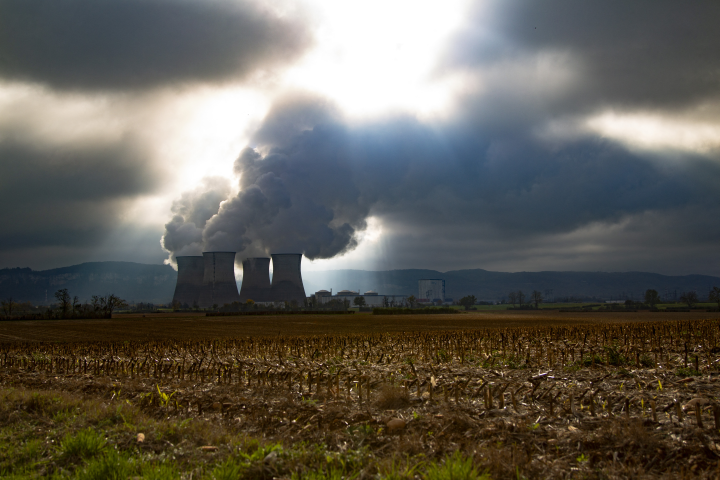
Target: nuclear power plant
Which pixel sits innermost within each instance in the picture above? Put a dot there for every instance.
(189, 280)
(219, 285)
(287, 281)
(210, 280)
(256, 280)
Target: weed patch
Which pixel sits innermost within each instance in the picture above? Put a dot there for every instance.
(454, 467)
(82, 445)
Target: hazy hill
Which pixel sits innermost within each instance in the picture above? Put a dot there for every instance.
(487, 285)
(131, 281)
(137, 282)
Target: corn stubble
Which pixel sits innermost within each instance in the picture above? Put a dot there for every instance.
(611, 400)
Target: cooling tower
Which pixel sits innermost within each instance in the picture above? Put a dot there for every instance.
(219, 285)
(287, 282)
(256, 280)
(189, 280)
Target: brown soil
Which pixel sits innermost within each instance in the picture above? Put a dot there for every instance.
(189, 326)
(572, 395)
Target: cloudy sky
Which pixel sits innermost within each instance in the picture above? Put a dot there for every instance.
(524, 135)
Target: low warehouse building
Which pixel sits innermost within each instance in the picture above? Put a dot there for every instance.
(372, 299)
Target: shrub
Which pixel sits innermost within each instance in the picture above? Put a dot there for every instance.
(646, 361)
(413, 311)
(330, 474)
(85, 444)
(230, 469)
(614, 357)
(686, 372)
(162, 471)
(111, 466)
(454, 467)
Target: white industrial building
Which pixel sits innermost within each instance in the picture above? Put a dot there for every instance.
(372, 299)
(431, 290)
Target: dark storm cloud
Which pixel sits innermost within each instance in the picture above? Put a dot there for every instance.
(313, 191)
(136, 44)
(650, 54)
(69, 196)
(184, 232)
(482, 186)
(442, 197)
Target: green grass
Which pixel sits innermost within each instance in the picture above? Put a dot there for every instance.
(663, 306)
(61, 436)
(454, 467)
(82, 445)
(565, 305)
(19, 455)
(160, 471)
(110, 466)
(485, 308)
(552, 306)
(230, 469)
(686, 372)
(542, 306)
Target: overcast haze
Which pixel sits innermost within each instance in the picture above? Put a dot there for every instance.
(509, 136)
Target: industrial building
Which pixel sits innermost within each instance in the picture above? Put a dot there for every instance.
(372, 299)
(219, 285)
(431, 290)
(210, 280)
(256, 280)
(189, 281)
(287, 284)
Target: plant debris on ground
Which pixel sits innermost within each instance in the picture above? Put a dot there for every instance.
(589, 401)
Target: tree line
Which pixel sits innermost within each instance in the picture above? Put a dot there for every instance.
(652, 297)
(100, 306)
(518, 298)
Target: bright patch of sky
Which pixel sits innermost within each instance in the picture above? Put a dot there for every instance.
(375, 56)
(657, 132)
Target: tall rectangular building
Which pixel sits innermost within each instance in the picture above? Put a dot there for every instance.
(431, 289)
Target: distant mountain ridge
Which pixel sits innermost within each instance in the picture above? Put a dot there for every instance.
(492, 286)
(137, 282)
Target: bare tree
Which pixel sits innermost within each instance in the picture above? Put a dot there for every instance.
(107, 304)
(690, 298)
(512, 298)
(714, 296)
(76, 305)
(8, 305)
(537, 298)
(98, 303)
(63, 298)
(521, 297)
(411, 300)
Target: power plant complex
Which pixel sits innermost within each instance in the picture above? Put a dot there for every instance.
(209, 280)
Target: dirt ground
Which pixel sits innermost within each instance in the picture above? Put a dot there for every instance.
(191, 326)
(550, 395)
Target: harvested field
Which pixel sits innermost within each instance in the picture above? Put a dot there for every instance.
(141, 327)
(564, 398)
